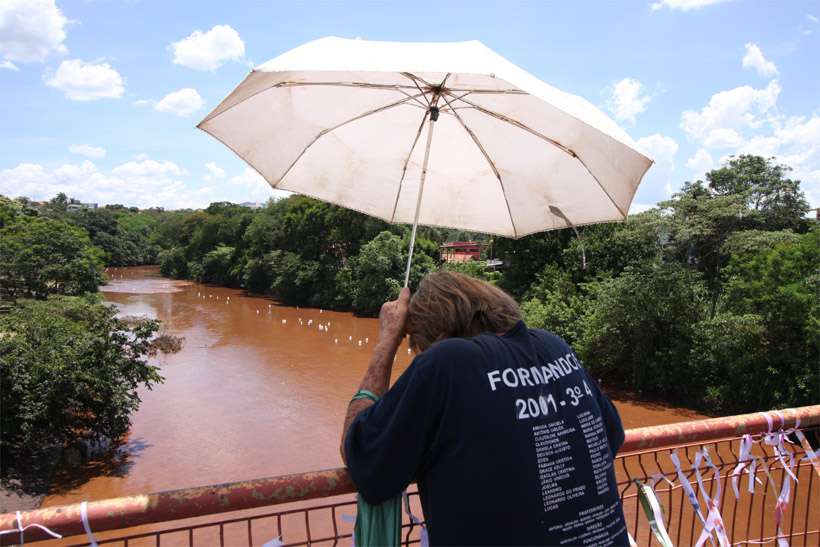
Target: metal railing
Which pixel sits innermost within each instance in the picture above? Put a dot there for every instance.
(257, 511)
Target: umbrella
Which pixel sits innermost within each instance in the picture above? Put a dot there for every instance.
(438, 134)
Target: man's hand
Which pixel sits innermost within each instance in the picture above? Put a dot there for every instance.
(392, 318)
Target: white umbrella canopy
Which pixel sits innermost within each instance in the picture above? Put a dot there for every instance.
(438, 134)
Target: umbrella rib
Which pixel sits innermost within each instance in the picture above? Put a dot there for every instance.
(421, 104)
(407, 161)
(489, 160)
(324, 132)
(344, 84)
(489, 91)
(524, 127)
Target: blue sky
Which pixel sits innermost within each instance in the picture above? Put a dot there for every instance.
(101, 98)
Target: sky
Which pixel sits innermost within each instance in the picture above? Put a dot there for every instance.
(100, 98)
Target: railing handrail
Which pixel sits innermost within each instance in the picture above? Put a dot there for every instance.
(125, 512)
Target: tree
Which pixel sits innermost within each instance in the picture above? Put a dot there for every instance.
(781, 287)
(376, 274)
(748, 192)
(70, 369)
(216, 266)
(639, 328)
(776, 200)
(41, 256)
(294, 279)
(527, 256)
(172, 263)
(611, 247)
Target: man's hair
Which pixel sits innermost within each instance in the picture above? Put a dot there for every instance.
(452, 305)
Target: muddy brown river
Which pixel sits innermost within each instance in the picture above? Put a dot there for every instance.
(257, 390)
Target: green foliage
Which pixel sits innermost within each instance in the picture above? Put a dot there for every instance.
(377, 272)
(781, 285)
(728, 357)
(775, 200)
(473, 268)
(216, 266)
(172, 263)
(609, 248)
(70, 369)
(640, 323)
(556, 304)
(41, 256)
(294, 279)
(528, 256)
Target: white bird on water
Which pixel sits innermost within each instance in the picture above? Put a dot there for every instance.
(366, 339)
(349, 338)
(257, 312)
(408, 351)
(284, 321)
(335, 340)
(310, 322)
(360, 343)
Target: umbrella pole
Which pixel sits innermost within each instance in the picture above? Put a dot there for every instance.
(433, 118)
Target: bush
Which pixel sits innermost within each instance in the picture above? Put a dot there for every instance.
(70, 369)
(216, 266)
(639, 328)
(172, 263)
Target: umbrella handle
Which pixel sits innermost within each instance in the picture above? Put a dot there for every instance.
(431, 125)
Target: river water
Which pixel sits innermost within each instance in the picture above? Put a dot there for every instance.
(257, 390)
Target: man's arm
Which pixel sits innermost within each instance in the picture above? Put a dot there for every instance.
(377, 378)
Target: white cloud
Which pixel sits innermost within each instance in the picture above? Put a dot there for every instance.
(253, 187)
(209, 50)
(684, 5)
(626, 99)
(738, 108)
(754, 59)
(214, 171)
(142, 102)
(145, 183)
(141, 182)
(145, 167)
(662, 149)
(723, 137)
(30, 30)
(87, 150)
(81, 81)
(8, 65)
(745, 120)
(184, 102)
(700, 163)
(812, 18)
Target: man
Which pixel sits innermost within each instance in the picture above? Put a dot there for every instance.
(511, 442)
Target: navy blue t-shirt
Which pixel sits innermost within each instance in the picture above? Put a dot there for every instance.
(511, 442)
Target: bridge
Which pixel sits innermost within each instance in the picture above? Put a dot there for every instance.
(753, 476)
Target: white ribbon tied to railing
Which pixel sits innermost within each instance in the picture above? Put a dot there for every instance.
(22, 529)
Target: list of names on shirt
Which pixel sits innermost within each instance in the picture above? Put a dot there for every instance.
(593, 428)
(555, 463)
